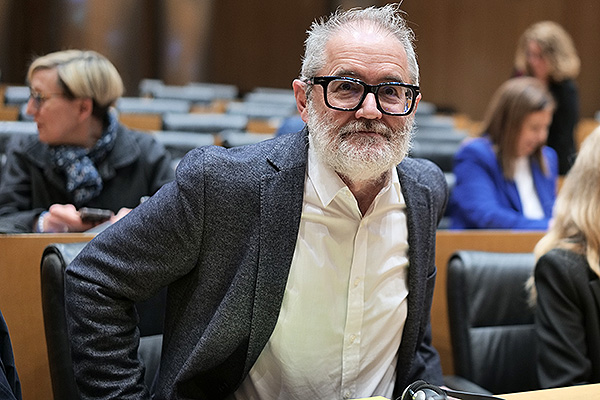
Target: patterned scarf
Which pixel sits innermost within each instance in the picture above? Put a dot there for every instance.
(79, 164)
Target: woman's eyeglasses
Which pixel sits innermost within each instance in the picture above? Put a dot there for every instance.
(39, 98)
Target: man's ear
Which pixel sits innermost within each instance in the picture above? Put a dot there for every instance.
(301, 100)
(417, 100)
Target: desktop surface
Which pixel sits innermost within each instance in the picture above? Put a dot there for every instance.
(587, 392)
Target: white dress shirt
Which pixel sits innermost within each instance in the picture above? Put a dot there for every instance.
(532, 208)
(345, 303)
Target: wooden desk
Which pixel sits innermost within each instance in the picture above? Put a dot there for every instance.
(587, 392)
(143, 122)
(9, 113)
(449, 241)
(21, 304)
(20, 299)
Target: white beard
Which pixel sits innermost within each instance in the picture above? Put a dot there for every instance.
(357, 157)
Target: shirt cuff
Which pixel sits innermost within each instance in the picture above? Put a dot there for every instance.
(39, 226)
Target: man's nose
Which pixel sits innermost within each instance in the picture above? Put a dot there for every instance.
(368, 108)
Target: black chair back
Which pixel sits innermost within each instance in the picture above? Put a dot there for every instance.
(491, 323)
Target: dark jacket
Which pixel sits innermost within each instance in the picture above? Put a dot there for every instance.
(222, 237)
(10, 386)
(561, 134)
(137, 166)
(567, 320)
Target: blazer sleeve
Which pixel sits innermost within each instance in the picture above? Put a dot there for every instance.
(479, 198)
(427, 359)
(561, 135)
(155, 244)
(425, 363)
(559, 316)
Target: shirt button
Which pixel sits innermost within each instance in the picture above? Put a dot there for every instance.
(352, 339)
(356, 282)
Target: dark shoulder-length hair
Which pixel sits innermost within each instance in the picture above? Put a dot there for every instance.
(514, 100)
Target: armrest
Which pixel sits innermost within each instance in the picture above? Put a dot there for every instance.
(457, 382)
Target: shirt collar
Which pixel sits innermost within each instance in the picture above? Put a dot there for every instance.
(328, 184)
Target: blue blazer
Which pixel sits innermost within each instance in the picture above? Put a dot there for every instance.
(222, 237)
(483, 198)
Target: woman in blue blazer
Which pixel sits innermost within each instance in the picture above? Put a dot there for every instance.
(506, 179)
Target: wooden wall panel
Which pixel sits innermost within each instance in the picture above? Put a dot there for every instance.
(117, 29)
(184, 39)
(465, 47)
(260, 42)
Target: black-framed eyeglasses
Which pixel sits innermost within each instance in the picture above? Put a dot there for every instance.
(347, 94)
(39, 98)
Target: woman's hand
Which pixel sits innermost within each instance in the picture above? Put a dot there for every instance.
(64, 218)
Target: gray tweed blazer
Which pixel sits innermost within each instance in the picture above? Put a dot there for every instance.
(222, 237)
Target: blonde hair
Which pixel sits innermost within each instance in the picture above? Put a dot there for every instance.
(557, 47)
(576, 216)
(514, 100)
(83, 74)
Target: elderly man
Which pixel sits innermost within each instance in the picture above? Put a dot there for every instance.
(300, 267)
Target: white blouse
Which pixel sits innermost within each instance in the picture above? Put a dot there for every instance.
(532, 208)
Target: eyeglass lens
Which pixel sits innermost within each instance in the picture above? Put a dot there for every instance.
(36, 97)
(39, 99)
(393, 98)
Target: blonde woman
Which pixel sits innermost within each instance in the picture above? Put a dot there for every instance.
(546, 51)
(82, 156)
(567, 278)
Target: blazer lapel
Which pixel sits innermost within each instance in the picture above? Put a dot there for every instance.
(544, 187)
(513, 194)
(421, 223)
(281, 207)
